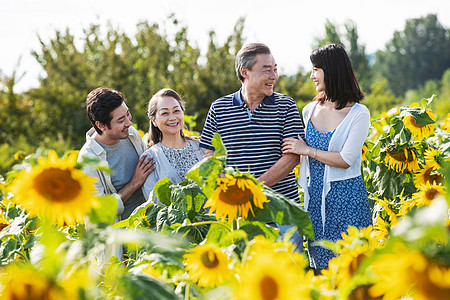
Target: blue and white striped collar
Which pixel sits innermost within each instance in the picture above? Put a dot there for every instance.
(237, 99)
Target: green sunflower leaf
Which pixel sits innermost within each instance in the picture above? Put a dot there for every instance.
(283, 211)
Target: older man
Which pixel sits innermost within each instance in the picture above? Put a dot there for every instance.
(254, 121)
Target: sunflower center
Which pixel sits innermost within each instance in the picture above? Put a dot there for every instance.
(403, 155)
(431, 194)
(57, 185)
(269, 288)
(209, 259)
(235, 196)
(30, 292)
(432, 178)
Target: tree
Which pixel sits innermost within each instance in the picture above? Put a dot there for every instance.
(332, 36)
(218, 77)
(415, 55)
(355, 50)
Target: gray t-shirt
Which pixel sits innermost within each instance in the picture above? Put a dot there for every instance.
(122, 159)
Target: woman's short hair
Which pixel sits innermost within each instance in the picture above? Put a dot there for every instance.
(155, 132)
(340, 81)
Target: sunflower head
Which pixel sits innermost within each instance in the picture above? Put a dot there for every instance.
(427, 193)
(433, 158)
(446, 123)
(55, 189)
(25, 283)
(208, 266)
(235, 195)
(400, 159)
(419, 131)
(268, 275)
(427, 174)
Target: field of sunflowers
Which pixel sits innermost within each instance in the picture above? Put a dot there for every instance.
(59, 241)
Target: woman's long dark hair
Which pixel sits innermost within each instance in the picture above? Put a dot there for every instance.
(340, 81)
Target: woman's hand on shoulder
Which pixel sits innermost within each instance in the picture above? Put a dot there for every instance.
(294, 146)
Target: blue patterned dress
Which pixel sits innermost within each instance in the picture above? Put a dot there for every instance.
(345, 204)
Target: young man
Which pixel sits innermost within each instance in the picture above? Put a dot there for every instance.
(114, 141)
(254, 121)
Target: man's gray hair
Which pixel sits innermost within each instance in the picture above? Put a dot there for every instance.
(246, 57)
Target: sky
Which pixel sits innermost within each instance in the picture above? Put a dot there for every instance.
(288, 27)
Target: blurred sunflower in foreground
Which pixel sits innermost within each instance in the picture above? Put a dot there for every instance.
(208, 266)
(271, 275)
(235, 195)
(27, 283)
(55, 189)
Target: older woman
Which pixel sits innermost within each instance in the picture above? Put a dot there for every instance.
(174, 153)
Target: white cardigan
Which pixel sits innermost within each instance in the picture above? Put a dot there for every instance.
(348, 140)
(163, 169)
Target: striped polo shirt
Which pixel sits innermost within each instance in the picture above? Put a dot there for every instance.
(253, 140)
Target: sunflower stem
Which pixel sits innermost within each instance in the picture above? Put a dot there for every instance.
(187, 293)
(210, 222)
(235, 225)
(25, 258)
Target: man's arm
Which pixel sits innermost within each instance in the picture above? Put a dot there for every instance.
(292, 127)
(280, 169)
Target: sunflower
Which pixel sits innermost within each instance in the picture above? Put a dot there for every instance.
(427, 174)
(433, 158)
(392, 215)
(353, 248)
(401, 159)
(446, 123)
(434, 283)
(381, 230)
(268, 276)
(427, 193)
(19, 156)
(406, 206)
(24, 283)
(395, 272)
(150, 271)
(260, 244)
(55, 189)
(234, 195)
(417, 130)
(208, 265)
(3, 221)
(364, 150)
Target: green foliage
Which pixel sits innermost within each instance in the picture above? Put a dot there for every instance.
(355, 50)
(415, 55)
(380, 98)
(106, 212)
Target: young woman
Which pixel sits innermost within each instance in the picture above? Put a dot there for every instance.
(174, 153)
(336, 127)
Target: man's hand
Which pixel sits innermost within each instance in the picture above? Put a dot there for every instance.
(208, 153)
(143, 169)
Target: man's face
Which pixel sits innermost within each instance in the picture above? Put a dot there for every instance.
(118, 127)
(263, 75)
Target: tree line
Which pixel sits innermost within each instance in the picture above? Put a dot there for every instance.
(414, 64)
